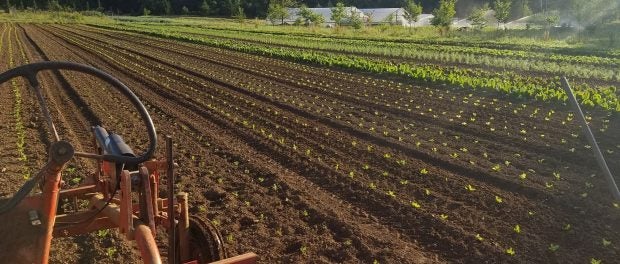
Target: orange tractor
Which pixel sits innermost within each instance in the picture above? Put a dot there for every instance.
(122, 194)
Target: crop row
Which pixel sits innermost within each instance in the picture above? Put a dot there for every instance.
(18, 125)
(554, 64)
(507, 82)
(506, 48)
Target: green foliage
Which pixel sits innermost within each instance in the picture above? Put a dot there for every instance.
(157, 7)
(53, 5)
(444, 14)
(308, 17)
(520, 9)
(502, 10)
(477, 17)
(413, 10)
(553, 247)
(552, 20)
(277, 12)
(338, 13)
(356, 20)
(591, 12)
(205, 9)
(239, 14)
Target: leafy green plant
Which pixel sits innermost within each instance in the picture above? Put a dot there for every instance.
(303, 250)
(111, 251)
(553, 247)
(103, 233)
(606, 242)
(566, 227)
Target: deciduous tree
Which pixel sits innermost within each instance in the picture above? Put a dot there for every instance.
(338, 13)
(502, 10)
(477, 17)
(309, 17)
(205, 9)
(444, 14)
(413, 10)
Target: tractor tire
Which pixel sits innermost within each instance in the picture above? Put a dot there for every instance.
(205, 241)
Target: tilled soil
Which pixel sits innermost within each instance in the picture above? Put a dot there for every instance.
(306, 164)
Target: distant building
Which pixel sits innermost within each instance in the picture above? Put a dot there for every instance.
(392, 16)
(326, 13)
(395, 16)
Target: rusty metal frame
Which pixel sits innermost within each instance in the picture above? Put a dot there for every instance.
(108, 209)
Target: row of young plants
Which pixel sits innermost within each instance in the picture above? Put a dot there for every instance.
(445, 142)
(412, 55)
(19, 128)
(507, 82)
(577, 66)
(541, 47)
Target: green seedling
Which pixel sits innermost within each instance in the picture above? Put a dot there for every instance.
(553, 247)
(606, 242)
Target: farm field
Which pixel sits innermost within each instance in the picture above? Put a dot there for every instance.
(303, 149)
(479, 65)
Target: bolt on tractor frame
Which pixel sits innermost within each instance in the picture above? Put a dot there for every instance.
(123, 194)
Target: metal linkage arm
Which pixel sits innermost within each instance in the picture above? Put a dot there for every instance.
(611, 182)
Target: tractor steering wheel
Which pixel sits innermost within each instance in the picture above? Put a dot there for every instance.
(30, 71)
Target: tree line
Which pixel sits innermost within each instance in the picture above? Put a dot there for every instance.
(583, 10)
